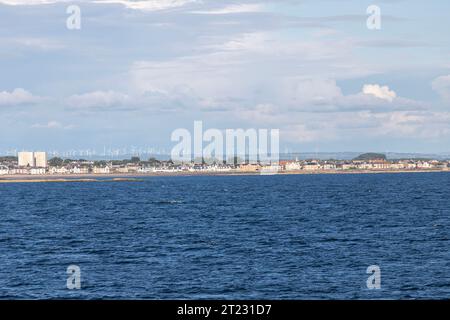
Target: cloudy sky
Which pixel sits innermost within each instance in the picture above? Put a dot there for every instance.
(137, 70)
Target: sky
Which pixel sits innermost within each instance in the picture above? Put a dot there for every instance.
(135, 71)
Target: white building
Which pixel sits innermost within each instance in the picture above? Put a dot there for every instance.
(293, 166)
(26, 159)
(40, 159)
(4, 170)
(348, 166)
(424, 165)
(22, 171)
(58, 170)
(146, 170)
(329, 166)
(79, 170)
(311, 167)
(32, 159)
(100, 170)
(37, 171)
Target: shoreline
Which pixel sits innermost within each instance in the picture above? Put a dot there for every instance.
(65, 179)
(121, 177)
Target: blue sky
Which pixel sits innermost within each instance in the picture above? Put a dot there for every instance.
(138, 70)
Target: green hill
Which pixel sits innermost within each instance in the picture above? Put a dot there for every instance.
(371, 156)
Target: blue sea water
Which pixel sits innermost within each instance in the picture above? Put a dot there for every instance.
(228, 237)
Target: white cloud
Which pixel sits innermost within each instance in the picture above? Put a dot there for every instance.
(326, 127)
(315, 92)
(52, 125)
(418, 124)
(30, 2)
(381, 92)
(442, 86)
(38, 43)
(235, 8)
(18, 96)
(150, 5)
(256, 42)
(324, 95)
(245, 67)
(98, 99)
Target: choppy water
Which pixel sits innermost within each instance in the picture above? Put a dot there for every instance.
(274, 237)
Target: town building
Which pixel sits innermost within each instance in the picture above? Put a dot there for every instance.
(79, 170)
(249, 167)
(32, 159)
(311, 166)
(329, 166)
(4, 170)
(37, 171)
(58, 170)
(101, 170)
(26, 159)
(292, 166)
(40, 159)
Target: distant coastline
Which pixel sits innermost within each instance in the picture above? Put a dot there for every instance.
(43, 179)
(34, 165)
(131, 177)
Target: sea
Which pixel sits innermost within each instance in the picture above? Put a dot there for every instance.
(319, 236)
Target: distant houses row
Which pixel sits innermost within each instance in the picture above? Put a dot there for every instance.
(363, 165)
(36, 163)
